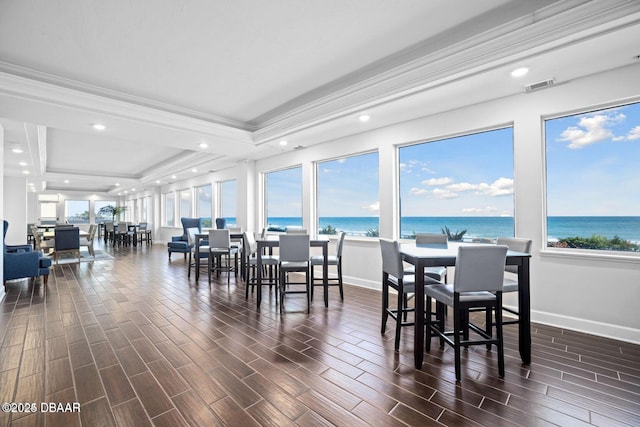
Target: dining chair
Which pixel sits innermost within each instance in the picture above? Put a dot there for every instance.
(250, 254)
(44, 246)
(67, 240)
(88, 240)
(437, 273)
(294, 258)
(202, 250)
(395, 276)
(109, 232)
(143, 233)
(220, 252)
(296, 231)
(336, 260)
(477, 283)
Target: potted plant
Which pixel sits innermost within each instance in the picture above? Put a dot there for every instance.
(113, 211)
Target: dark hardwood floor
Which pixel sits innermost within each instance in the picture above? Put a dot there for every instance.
(135, 342)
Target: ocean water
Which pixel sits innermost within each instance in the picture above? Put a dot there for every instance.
(625, 227)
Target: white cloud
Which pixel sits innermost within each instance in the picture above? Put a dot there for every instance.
(418, 191)
(462, 186)
(634, 133)
(439, 193)
(500, 187)
(591, 129)
(488, 209)
(437, 181)
(373, 207)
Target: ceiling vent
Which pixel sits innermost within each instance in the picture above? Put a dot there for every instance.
(539, 85)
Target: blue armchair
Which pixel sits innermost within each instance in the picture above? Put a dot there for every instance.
(22, 261)
(181, 243)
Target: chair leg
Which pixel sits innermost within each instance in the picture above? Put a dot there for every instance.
(499, 334)
(456, 339)
(427, 325)
(385, 305)
(189, 266)
(340, 280)
(399, 315)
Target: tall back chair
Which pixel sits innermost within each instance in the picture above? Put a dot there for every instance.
(197, 253)
(511, 284)
(294, 257)
(67, 240)
(180, 243)
(336, 260)
(250, 254)
(220, 251)
(477, 283)
(437, 273)
(296, 231)
(88, 240)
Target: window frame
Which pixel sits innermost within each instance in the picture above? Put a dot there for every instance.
(198, 203)
(221, 200)
(66, 216)
(165, 197)
(265, 193)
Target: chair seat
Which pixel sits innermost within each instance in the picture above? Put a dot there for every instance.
(319, 260)
(266, 260)
(437, 273)
(510, 285)
(179, 246)
(290, 265)
(444, 294)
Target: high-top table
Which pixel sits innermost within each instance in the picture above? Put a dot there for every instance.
(273, 243)
(235, 237)
(432, 255)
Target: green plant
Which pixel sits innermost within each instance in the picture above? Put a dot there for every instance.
(328, 229)
(113, 211)
(373, 232)
(457, 236)
(596, 242)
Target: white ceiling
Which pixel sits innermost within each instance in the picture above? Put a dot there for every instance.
(240, 76)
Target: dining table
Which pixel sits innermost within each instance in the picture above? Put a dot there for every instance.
(432, 255)
(273, 242)
(235, 238)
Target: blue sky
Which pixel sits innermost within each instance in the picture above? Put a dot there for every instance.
(284, 193)
(593, 163)
(470, 175)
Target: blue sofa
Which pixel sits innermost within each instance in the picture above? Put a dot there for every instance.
(22, 261)
(180, 244)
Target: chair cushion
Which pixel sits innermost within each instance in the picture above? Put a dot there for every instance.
(179, 246)
(437, 273)
(45, 262)
(510, 285)
(266, 260)
(290, 265)
(444, 294)
(319, 260)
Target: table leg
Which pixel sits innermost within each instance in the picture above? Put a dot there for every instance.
(524, 308)
(259, 277)
(418, 339)
(325, 273)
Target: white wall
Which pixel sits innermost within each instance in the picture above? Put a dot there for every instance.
(15, 210)
(593, 294)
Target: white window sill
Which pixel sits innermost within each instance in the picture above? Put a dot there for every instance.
(631, 257)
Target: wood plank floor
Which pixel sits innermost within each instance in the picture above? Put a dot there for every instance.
(135, 342)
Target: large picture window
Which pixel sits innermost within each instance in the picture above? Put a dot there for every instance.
(103, 216)
(228, 202)
(593, 171)
(204, 204)
(185, 203)
(76, 211)
(348, 195)
(461, 186)
(169, 209)
(284, 199)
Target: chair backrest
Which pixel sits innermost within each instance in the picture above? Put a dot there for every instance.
(391, 258)
(108, 226)
(190, 222)
(235, 229)
(294, 247)
(250, 245)
(142, 226)
(67, 238)
(340, 244)
(123, 227)
(428, 238)
(296, 230)
(191, 235)
(219, 239)
(480, 268)
(517, 245)
(92, 232)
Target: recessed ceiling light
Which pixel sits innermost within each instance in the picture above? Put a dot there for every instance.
(157, 181)
(519, 72)
(26, 172)
(173, 177)
(16, 150)
(194, 170)
(66, 181)
(204, 145)
(98, 126)
(23, 163)
(364, 118)
(133, 189)
(283, 142)
(117, 184)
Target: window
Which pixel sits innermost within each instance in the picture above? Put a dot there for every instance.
(169, 210)
(48, 212)
(103, 215)
(461, 186)
(76, 211)
(348, 195)
(593, 170)
(284, 198)
(204, 204)
(228, 191)
(144, 205)
(185, 203)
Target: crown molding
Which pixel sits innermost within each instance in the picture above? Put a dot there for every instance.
(15, 85)
(552, 27)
